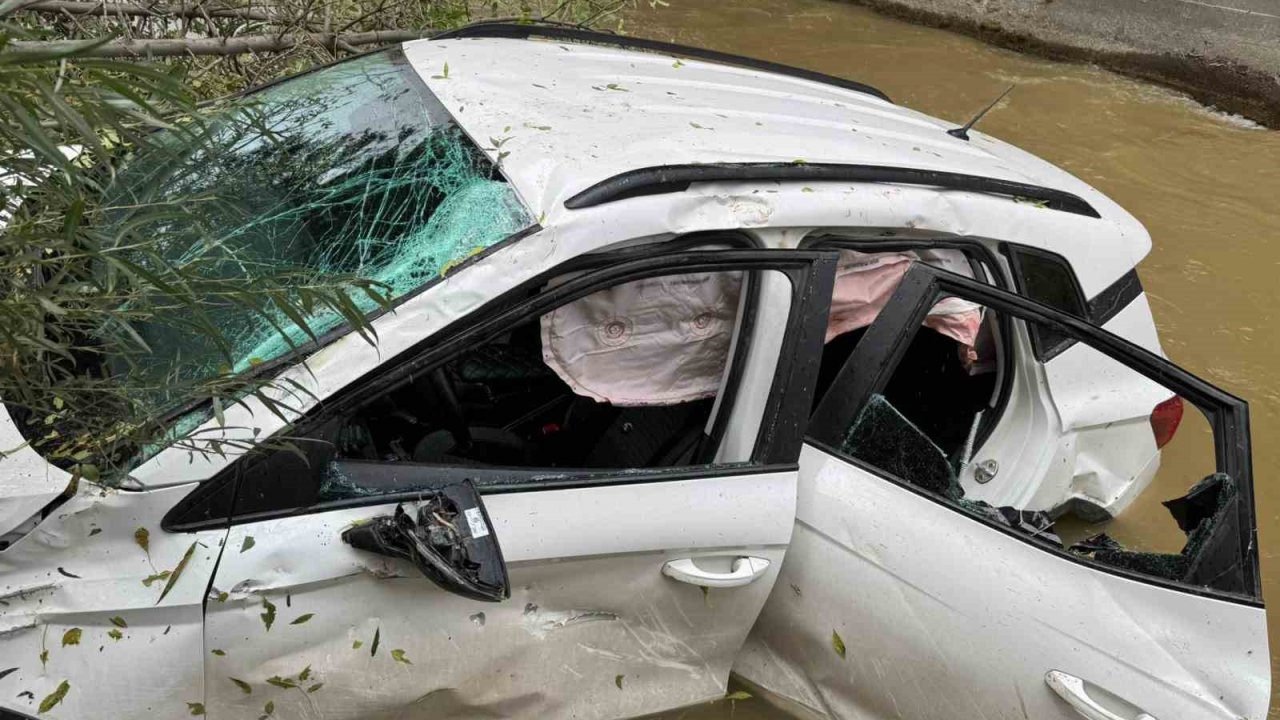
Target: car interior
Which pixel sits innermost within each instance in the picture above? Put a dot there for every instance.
(500, 405)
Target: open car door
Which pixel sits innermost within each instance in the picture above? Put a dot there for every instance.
(910, 599)
(468, 538)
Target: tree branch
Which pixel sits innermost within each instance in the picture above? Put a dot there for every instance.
(123, 9)
(181, 47)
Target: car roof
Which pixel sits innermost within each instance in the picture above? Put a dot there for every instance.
(562, 112)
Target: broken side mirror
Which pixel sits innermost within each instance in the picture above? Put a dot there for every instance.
(447, 536)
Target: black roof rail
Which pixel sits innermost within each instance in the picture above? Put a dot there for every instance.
(677, 178)
(524, 31)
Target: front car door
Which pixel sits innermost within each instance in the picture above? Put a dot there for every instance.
(638, 469)
(906, 597)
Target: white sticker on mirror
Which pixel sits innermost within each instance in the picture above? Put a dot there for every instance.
(476, 521)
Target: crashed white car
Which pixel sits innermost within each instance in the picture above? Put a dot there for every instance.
(699, 365)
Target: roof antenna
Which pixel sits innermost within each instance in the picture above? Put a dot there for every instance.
(963, 132)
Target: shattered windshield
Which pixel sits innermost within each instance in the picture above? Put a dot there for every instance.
(354, 170)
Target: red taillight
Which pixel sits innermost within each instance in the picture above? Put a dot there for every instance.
(1165, 419)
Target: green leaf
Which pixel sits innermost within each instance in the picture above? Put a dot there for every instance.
(377, 635)
(196, 708)
(315, 687)
(355, 645)
(248, 543)
(219, 653)
(54, 697)
(158, 576)
(286, 683)
(71, 637)
(269, 614)
(302, 618)
(245, 687)
(268, 709)
(119, 622)
(398, 656)
(173, 579)
(306, 673)
(114, 634)
(142, 536)
(837, 644)
(738, 695)
(617, 680)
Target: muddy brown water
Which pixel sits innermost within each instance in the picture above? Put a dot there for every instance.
(1207, 187)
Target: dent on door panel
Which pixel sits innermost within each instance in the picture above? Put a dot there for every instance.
(593, 629)
(941, 617)
(100, 611)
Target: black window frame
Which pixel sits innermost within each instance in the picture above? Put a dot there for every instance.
(1044, 349)
(778, 440)
(886, 340)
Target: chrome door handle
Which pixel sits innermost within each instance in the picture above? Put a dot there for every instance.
(1072, 689)
(742, 571)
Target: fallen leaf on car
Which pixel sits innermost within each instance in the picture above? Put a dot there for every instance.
(71, 637)
(173, 579)
(54, 697)
(269, 613)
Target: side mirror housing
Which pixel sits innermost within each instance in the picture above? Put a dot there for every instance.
(448, 537)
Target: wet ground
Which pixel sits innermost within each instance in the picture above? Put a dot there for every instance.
(1206, 185)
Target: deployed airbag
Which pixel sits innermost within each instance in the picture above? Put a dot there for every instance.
(659, 341)
(865, 282)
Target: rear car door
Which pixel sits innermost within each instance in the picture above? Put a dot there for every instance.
(909, 598)
(632, 432)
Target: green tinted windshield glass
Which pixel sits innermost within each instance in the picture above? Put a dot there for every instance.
(354, 170)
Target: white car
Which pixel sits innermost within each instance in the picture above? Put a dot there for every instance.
(699, 364)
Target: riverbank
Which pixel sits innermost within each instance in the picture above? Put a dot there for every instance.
(1224, 53)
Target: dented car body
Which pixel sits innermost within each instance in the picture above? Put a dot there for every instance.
(699, 365)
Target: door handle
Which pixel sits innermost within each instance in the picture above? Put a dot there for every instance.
(742, 571)
(1072, 689)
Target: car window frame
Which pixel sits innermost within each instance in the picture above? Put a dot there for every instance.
(1014, 254)
(778, 440)
(887, 339)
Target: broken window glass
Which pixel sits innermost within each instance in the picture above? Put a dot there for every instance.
(354, 170)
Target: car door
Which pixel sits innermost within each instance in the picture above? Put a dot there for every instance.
(628, 584)
(904, 597)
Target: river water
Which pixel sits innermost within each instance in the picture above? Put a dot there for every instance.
(1206, 185)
